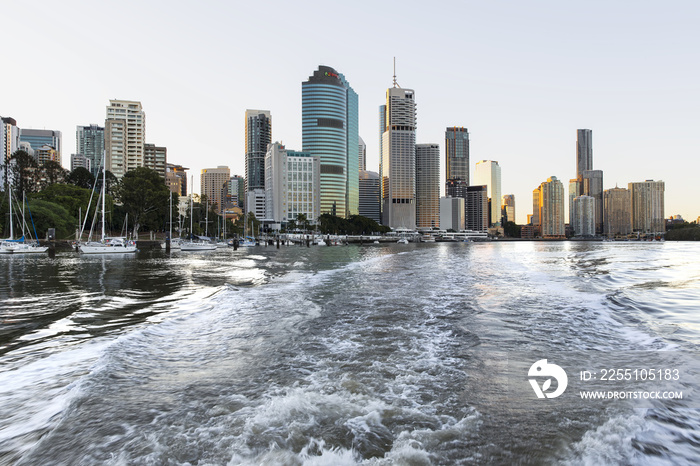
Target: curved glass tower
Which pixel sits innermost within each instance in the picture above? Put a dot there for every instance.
(330, 131)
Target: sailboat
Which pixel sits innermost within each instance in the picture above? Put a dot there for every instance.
(107, 245)
(191, 244)
(19, 246)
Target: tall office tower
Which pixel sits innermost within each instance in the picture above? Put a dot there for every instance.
(648, 207)
(399, 160)
(125, 136)
(477, 208)
(212, 182)
(488, 173)
(452, 213)
(363, 155)
(155, 158)
(508, 207)
(382, 128)
(38, 138)
(79, 160)
(593, 186)
(457, 154)
(618, 212)
(551, 208)
(427, 185)
(292, 185)
(370, 195)
(535, 219)
(90, 143)
(584, 216)
(573, 193)
(330, 131)
(584, 155)
(258, 135)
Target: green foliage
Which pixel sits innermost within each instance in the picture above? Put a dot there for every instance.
(51, 215)
(144, 197)
(355, 225)
(73, 198)
(53, 173)
(81, 177)
(690, 233)
(511, 230)
(25, 172)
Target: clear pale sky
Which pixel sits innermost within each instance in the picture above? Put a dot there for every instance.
(521, 76)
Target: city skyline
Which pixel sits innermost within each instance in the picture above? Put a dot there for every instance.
(522, 96)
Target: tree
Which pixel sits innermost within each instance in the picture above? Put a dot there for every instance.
(303, 222)
(53, 173)
(24, 172)
(81, 177)
(144, 196)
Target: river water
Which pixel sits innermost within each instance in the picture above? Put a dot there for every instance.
(375, 354)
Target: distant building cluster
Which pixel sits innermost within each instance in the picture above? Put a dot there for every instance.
(593, 211)
(329, 175)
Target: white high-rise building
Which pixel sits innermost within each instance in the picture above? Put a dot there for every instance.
(488, 173)
(398, 159)
(363, 155)
(125, 136)
(292, 185)
(584, 216)
(452, 213)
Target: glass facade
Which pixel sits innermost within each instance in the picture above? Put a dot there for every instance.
(258, 134)
(330, 131)
(457, 154)
(90, 143)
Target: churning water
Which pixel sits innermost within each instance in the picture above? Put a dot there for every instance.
(380, 355)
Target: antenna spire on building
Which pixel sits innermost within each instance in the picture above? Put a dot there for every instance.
(396, 84)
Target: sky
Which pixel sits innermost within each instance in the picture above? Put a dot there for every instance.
(521, 76)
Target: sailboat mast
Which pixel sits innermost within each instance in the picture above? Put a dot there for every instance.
(11, 232)
(191, 209)
(104, 180)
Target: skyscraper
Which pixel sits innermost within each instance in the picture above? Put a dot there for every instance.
(125, 136)
(90, 143)
(370, 195)
(584, 216)
(618, 213)
(330, 130)
(551, 208)
(212, 182)
(398, 159)
(593, 186)
(457, 154)
(508, 207)
(363, 155)
(488, 173)
(477, 208)
(258, 134)
(574, 192)
(427, 185)
(584, 154)
(648, 207)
